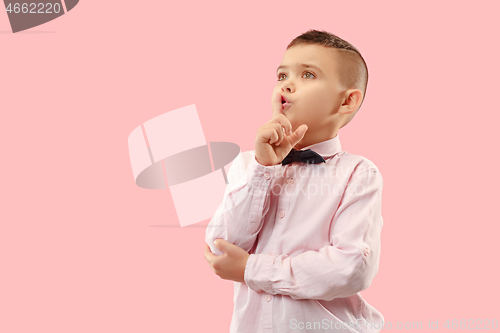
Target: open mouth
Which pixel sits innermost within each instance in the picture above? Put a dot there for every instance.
(284, 102)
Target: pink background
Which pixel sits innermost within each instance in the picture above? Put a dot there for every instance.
(83, 249)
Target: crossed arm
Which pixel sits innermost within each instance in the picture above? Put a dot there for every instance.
(345, 267)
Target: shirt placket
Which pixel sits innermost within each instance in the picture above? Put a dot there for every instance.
(286, 193)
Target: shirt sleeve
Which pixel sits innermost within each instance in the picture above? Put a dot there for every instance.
(240, 216)
(340, 270)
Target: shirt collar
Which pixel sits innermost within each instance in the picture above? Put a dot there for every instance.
(326, 148)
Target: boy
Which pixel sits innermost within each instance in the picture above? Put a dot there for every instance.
(299, 232)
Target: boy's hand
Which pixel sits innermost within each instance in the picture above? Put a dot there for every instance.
(275, 139)
(230, 265)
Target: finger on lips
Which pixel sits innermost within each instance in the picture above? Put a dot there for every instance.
(280, 118)
(277, 105)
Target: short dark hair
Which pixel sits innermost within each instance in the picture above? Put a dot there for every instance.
(353, 72)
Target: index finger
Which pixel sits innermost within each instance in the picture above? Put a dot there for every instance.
(278, 110)
(276, 104)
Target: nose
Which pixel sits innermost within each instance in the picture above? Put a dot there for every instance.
(287, 86)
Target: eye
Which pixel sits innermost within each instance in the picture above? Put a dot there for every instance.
(309, 73)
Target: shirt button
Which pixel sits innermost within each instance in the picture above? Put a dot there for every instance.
(268, 298)
(367, 252)
(267, 175)
(282, 214)
(290, 181)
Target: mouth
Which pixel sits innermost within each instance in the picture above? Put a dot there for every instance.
(284, 102)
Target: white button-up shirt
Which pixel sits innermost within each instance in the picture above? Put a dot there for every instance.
(313, 234)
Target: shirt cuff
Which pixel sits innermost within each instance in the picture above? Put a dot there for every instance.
(257, 272)
(258, 175)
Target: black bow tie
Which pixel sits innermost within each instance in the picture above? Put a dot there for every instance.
(306, 156)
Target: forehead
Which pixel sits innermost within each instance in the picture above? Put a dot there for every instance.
(321, 56)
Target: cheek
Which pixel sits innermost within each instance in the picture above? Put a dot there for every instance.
(318, 100)
(317, 93)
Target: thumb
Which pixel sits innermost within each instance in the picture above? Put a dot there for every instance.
(299, 133)
(221, 245)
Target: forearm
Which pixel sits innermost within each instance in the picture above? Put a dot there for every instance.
(324, 275)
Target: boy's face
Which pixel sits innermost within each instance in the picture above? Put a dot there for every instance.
(314, 93)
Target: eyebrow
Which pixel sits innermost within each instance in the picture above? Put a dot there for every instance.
(301, 65)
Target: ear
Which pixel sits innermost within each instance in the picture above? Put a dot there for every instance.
(352, 101)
